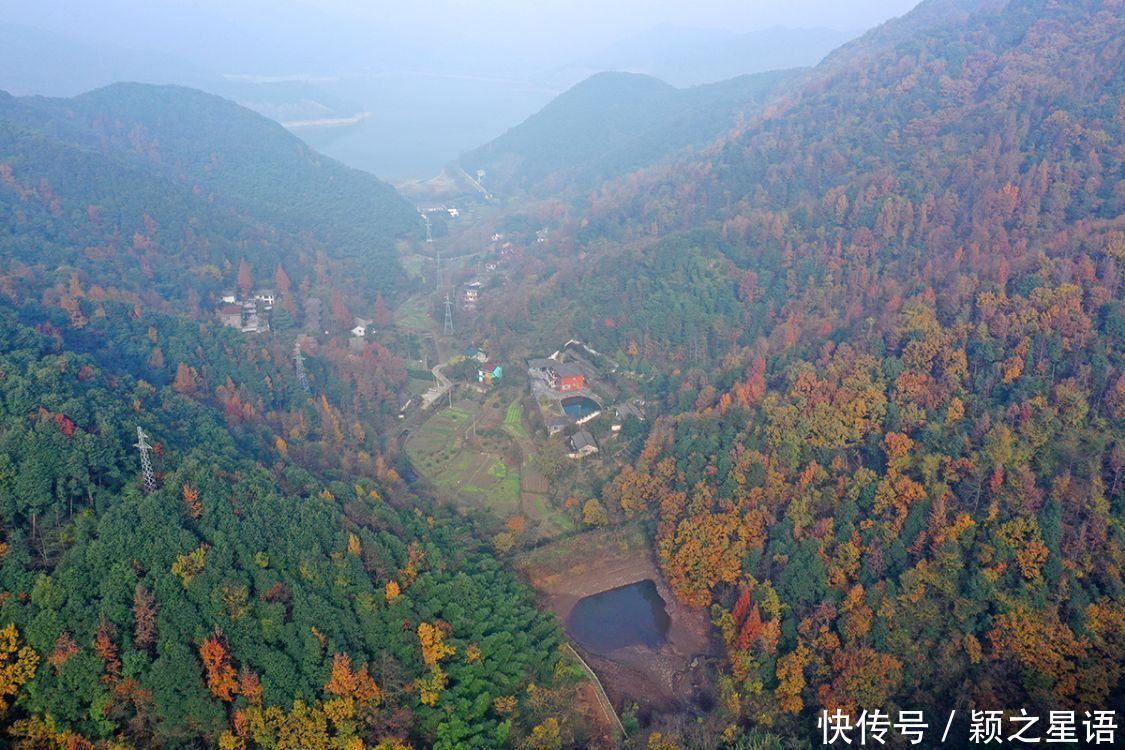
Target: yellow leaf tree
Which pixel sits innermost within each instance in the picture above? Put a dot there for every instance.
(17, 665)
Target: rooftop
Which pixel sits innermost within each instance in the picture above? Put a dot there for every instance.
(582, 439)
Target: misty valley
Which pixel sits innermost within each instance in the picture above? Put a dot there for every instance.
(553, 383)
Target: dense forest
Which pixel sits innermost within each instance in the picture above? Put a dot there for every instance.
(883, 320)
(276, 585)
(874, 310)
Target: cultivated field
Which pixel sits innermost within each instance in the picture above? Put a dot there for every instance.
(490, 468)
(472, 471)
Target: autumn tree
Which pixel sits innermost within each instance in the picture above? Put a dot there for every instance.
(245, 279)
(191, 501)
(594, 513)
(17, 665)
(222, 679)
(144, 618)
(105, 646)
(349, 683)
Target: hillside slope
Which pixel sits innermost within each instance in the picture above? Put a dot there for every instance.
(212, 174)
(272, 580)
(614, 123)
(884, 320)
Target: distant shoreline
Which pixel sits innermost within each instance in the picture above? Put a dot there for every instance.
(327, 122)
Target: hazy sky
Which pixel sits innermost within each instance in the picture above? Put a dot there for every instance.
(262, 36)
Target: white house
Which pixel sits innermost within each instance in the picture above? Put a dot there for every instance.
(266, 298)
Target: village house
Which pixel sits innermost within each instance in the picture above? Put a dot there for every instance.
(582, 444)
(622, 412)
(251, 323)
(230, 315)
(565, 378)
(555, 425)
(489, 372)
(266, 298)
(359, 327)
(560, 376)
(472, 351)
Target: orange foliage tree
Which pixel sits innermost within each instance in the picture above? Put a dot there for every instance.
(222, 679)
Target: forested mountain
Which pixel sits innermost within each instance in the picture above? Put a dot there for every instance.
(245, 601)
(276, 584)
(884, 321)
(877, 323)
(614, 123)
(186, 180)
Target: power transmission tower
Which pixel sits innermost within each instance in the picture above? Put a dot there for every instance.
(440, 281)
(448, 316)
(146, 464)
(299, 363)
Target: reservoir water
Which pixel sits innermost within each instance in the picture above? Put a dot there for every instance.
(632, 615)
(578, 407)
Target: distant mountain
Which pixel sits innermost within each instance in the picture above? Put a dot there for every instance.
(614, 123)
(689, 57)
(36, 61)
(215, 178)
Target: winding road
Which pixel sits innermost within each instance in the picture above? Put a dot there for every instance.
(436, 391)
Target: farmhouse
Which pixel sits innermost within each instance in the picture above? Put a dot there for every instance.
(555, 425)
(231, 315)
(266, 298)
(560, 376)
(250, 321)
(489, 372)
(582, 444)
(472, 351)
(565, 378)
(359, 327)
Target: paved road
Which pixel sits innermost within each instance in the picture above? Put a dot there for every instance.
(436, 391)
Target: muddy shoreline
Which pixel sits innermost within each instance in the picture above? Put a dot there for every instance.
(661, 679)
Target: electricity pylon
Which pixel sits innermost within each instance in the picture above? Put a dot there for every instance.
(299, 363)
(146, 464)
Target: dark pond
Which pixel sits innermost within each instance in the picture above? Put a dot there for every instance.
(579, 406)
(631, 615)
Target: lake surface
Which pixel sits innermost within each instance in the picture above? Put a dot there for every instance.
(579, 406)
(632, 615)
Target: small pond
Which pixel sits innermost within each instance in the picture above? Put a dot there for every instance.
(578, 407)
(632, 615)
